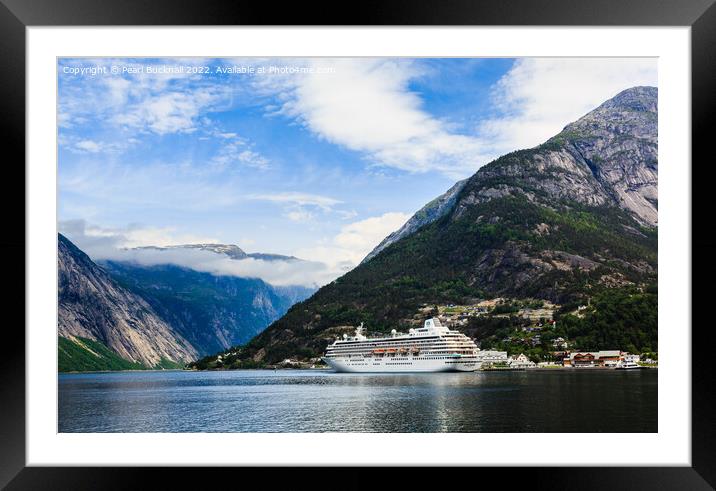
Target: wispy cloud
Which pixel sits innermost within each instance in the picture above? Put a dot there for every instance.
(159, 103)
(366, 105)
(238, 151)
(322, 263)
(354, 241)
(80, 145)
(303, 199)
(96, 238)
(539, 96)
(300, 207)
(114, 244)
(172, 112)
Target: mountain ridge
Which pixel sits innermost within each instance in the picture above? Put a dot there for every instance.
(640, 98)
(230, 250)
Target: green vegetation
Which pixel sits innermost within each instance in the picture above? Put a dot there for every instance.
(616, 318)
(622, 318)
(165, 364)
(505, 308)
(223, 361)
(86, 355)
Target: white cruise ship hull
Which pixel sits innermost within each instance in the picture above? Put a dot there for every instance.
(432, 348)
(402, 365)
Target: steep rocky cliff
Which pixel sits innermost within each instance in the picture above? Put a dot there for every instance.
(93, 306)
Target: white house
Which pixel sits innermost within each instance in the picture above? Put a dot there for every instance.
(521, 361)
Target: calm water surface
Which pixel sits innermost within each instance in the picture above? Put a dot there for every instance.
(318, 401)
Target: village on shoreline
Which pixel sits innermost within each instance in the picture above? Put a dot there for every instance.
(539, 321)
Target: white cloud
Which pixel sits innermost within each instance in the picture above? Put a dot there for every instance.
(354, 241)
(539, 96)
(300, 207)
(300, 215)
(322, 263)
(88, 146)
(160, 103)
(302, 199)
(96, 237)
(117, 245)
(366, 105)
(238, 151)
(172, 112)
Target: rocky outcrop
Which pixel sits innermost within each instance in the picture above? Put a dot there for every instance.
(92, 305)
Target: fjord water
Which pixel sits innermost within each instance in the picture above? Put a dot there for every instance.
(318, 401)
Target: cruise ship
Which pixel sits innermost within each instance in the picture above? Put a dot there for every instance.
(432, 348)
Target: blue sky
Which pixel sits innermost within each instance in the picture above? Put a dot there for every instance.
(317, 158)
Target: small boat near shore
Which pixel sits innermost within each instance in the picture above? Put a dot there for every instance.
(627, 365)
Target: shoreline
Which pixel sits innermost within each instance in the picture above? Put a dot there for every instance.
(538, 369)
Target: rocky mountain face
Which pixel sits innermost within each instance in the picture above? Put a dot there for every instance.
(212, 312)
(93, 306)
(561, 221)
(606, 158)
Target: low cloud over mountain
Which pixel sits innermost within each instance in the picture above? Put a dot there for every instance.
(112, 245)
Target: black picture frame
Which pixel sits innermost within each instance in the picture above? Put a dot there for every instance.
(16, 15)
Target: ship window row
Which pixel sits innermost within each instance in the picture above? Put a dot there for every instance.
(424, 351)
(423, 346)
(399, 342)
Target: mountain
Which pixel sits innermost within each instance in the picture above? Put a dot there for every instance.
(563, 221)
(211, 312)
(103, 325)
(230, 250)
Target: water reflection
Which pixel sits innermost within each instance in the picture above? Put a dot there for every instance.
(318, 401)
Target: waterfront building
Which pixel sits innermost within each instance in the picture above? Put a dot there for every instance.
(492, 357)
(521, 361)
(604, 358)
